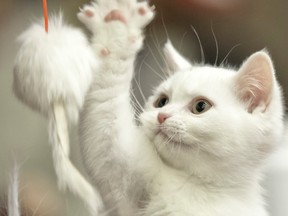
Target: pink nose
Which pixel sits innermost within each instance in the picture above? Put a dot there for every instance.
(162, 117)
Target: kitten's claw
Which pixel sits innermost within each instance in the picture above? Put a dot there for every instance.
(153, 8)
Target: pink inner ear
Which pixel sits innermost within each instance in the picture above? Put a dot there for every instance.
(255, 80)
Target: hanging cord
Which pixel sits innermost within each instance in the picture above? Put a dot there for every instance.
(45, 11)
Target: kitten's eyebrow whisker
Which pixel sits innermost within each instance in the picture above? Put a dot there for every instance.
(159, 48)
(154, 57)
(230, 51)
(140, 68)
(140, 90)
(156, 43)
(167, 35)
(200, 44)
(216, 44)
(164, 26)
(153, 70)
(181, 42)
(137, 103)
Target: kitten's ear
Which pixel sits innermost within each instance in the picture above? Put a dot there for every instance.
(254, 81)
(174, 60)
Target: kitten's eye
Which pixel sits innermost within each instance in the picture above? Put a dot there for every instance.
(162, 101)
(201, 106)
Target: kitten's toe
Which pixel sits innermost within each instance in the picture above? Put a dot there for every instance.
(143, 14)
(89, 13)
(104, 52)
(89, 16)
(86, 13)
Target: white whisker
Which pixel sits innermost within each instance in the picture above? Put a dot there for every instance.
(140, 90)
(140, 69)
(216, 44)
(155, 58)
(155, 72)
(136, 103)
(235, 46)
(182, 40)
(164, 26)
(200, 44)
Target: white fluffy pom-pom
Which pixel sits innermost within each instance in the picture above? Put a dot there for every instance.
(52, 74)
(54, 67)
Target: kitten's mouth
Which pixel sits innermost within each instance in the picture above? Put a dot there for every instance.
(169, 140)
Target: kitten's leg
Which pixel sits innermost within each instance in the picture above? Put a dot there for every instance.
(108, 134)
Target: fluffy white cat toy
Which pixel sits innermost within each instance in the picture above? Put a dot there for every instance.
(52, 74)
(203, 136)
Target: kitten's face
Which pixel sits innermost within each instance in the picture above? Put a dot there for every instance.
(198, 120)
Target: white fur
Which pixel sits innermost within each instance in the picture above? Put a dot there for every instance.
(205, 165)
(57, 66)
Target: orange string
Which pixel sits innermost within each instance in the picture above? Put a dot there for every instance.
(45, 10)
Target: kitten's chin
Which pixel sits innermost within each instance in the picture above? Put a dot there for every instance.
(171, 152)
(170, 145)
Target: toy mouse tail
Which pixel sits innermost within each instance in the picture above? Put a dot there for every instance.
(13, 194)
(68, 176)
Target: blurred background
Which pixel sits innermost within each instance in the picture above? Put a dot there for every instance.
(209, 31)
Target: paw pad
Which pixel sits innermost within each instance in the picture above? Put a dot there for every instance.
(115, 15)
(89, 13)
(142, 11)
(104, 52)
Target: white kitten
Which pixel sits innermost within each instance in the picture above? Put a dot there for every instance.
(204, 134)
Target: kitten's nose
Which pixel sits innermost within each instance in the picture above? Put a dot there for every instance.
(162, 117)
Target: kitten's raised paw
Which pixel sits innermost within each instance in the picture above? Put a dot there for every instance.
(117, 26)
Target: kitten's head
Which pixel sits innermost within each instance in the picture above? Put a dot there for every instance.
(203, 119)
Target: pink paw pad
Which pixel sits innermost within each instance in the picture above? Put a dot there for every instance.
(89, 13)
(115, 15)
(142, 11)
(104, 52)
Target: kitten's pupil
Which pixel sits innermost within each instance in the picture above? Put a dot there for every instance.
(162, 101)
(200, 107)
